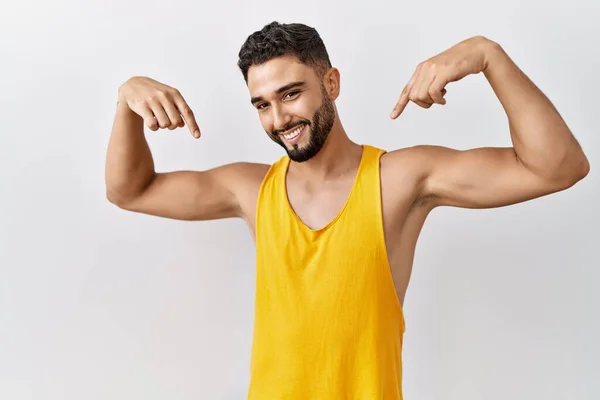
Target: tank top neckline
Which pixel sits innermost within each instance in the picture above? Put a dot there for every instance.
(291, 210)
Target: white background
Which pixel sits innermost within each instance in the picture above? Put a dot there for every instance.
(97, 303)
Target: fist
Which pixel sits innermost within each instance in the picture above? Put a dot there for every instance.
(159, 105)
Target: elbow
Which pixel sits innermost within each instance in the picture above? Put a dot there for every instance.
(114, 198)
(581, 168)
(586, 163)
(585, 168)
(118, 198)
(572, 171)
(124, 193)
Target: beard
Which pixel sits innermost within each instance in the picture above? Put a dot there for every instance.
(318, 130)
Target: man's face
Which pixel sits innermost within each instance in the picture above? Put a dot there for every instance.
(292, 105)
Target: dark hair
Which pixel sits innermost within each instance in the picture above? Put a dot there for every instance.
(276, 40)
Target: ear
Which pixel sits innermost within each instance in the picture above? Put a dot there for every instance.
(331, 81)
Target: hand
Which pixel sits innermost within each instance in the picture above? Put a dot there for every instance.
(427, 85)
(160, 106)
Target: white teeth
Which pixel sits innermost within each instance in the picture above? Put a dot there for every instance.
(295, 133)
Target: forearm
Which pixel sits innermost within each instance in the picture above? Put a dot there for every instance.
(129, 163)
(541, 139)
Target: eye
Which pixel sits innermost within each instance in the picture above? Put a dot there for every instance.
(261, 106)
(291, 94)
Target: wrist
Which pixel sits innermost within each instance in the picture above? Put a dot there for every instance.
(122, 104)
(123, 109)
(121, 96)
(491, 51)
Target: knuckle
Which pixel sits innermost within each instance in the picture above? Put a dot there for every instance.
(187, 111)
(162, 94)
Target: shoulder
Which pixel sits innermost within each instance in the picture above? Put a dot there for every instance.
(247, 179)
(419, 160)
(251, 171)
(247, 175)
(415, 156)
(404, 171)
(409, 160)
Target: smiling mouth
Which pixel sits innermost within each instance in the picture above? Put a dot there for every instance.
(294, 134)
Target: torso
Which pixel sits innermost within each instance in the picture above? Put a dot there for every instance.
(403, 217)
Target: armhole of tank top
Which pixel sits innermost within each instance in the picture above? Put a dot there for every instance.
(381, 228)
(261, 188)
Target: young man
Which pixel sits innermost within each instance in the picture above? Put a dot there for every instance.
(336, 223)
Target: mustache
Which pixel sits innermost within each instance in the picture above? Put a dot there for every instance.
(290, 126)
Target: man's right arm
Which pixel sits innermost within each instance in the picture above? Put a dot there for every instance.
(132, 182)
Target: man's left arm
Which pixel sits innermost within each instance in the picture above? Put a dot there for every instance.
(545, 157)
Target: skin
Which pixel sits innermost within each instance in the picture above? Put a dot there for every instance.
(545, 157)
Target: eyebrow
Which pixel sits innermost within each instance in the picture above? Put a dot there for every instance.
(282, 89)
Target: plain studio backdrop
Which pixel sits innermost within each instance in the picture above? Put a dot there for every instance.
(98, 303)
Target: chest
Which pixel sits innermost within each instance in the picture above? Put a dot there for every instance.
(318, 205)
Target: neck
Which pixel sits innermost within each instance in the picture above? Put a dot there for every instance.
(337, 156)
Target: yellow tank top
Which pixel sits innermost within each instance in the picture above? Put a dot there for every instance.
(328, 324)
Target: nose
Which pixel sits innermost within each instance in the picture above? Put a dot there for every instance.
(281, 119)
